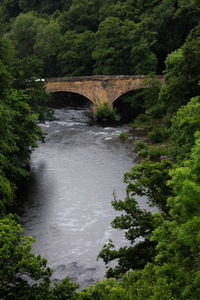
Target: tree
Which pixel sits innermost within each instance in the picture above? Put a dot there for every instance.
(37, 36)
(28, 73)
(182, 75)
(47, 45)
(19, 134)
(177, 262)
(23, 32)
(19, 129)
(75, 55)
(142, 39)
(145, 179)
(6, 58)
(45, 6)
(174, 273)
(183, 127)
(82, 15)
(18, 266)
(113, 45)
(10, 9)
(6, 195)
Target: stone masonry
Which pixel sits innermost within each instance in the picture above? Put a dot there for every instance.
(99, 88)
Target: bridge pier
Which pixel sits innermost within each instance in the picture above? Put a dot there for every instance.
(97, 104)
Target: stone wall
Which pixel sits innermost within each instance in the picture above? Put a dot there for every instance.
(99, 88)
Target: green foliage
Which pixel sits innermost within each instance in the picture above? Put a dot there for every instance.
(154, 153)
(139, 120)
(158, 135)
(112, 44)
(18, 265)
(183, 127)
(10, 9)
(144, 153)
(47, 42)
(28, 72)
(48, 39)
(6, 195)
(177, 262)
(108, 37)
(156, 111)
(145, 179)
(143, 59)
(109, 289)
(75, 54)
(148, 152)
(138, 35)
(18, 121)
(16, 259)
(149, 179)
(123, 136)
(104, 113)
(82, 15)
(37, 36)
(23, 32)
(151, 96)
(174, 274)
(139, 145)
(6, 58)
(42, 6)
(182, 75)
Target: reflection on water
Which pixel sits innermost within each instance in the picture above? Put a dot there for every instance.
(67, 208)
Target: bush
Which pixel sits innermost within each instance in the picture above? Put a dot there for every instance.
(158, 135)
(144, 153)
(139, 120)
(154, 153)
(105, 113)
(156, 111)
(139, 145)
(123, 135)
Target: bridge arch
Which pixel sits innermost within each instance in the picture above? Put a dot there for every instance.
(129, 105)
(66, 98)
(72, 90)
(125, 92)
(101, 88)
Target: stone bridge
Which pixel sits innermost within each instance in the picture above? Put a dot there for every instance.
(99, 88)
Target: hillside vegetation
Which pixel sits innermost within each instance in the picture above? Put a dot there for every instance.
(49, 38)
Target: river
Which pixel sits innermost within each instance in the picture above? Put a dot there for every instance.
(68, 200)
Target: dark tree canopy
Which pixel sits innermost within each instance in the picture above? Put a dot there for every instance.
(47, 38)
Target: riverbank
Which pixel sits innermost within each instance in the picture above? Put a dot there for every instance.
(151, 139)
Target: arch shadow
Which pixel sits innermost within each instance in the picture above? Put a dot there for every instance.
(71, 99)
(129, 105)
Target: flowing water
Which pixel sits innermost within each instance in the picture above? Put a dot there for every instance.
(68, 204)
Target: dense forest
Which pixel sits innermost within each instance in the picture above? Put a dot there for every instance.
(40, 39)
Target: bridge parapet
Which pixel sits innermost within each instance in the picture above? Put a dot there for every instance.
(101, 78)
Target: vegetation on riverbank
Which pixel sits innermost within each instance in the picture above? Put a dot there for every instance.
(69, 38)
(105, 114)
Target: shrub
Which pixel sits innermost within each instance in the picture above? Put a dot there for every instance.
(123, 135)
(105, 113)
(153, 153)
(144, 153)
(156, 111)
(158, 135)
(139, 145)
(139, 120)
